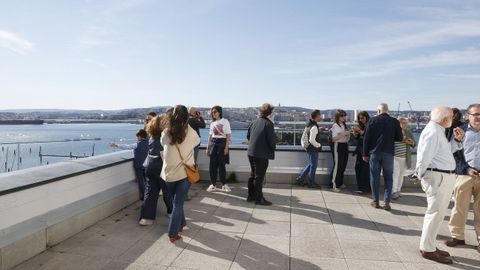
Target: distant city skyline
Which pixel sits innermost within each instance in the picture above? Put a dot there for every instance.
(120, 54)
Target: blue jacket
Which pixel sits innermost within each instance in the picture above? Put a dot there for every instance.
(140, 153)
(462, 165)
(381, 134)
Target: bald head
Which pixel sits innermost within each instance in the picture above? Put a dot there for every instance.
(442, 115)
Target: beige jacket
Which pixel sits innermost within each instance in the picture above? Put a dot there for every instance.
(173, 169)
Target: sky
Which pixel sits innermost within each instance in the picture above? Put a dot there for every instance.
(114, 54)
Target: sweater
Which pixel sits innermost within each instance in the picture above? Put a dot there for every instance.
(173, 169)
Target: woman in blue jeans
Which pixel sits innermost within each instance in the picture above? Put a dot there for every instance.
(178, 141)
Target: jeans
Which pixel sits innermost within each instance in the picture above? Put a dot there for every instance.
(218, 161)
(196, 150)
(152, 188)
(362, 172)
(179, 191)
(379, 161)
(340, 160)
(311, 167)
(140, 176)
(258, 168)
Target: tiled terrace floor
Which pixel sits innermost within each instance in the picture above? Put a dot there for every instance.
(304, 229)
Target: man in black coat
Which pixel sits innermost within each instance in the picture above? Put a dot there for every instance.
(261, 148)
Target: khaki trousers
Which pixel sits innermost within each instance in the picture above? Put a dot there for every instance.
(438, 188)
(465, 187)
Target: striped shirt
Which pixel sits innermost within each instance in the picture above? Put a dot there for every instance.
(400, 149)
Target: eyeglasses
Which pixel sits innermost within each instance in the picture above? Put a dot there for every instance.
(474, 114)
(214, 111)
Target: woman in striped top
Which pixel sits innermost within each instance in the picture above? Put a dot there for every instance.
(402, 157)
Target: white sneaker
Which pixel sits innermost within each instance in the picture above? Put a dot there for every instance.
(226, 188)
(211, 188)
(169, 215)
(343, 186)
(335, 190)
(145, 222)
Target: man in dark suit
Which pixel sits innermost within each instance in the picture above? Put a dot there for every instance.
(261, 148)
(378, 148)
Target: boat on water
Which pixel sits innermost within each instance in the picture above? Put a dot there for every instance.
(22, 122)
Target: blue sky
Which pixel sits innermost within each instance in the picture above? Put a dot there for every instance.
(111, 54)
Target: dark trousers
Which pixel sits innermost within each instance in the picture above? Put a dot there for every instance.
(140, 177)
(258, 168)
(362, 172)
(217, 162)
(379, 161)
(152, 188)
(340, 160)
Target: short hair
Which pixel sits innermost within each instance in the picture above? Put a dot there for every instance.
(141, 133)
(383, 107)
(266, 109)
(474, 105)
(439, 113)
(152, 114)
(218, 109)
(339, 114)
(315, 113)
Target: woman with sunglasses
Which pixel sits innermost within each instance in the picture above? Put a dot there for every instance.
(217, 148)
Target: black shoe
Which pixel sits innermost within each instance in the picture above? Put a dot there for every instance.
(263, 202)
(315, 186)
(299, 181)
(250, 199)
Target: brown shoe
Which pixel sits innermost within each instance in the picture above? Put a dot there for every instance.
(442, 253)
(375, 204)
(175, 238)
(387, 206)
(434, 256)
(453, 242)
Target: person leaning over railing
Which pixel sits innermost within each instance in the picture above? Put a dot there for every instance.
(436, 171)
(217, 148)
(179, 141)
(153, 166)
(140, 152)
(261, 147)
(468, 181)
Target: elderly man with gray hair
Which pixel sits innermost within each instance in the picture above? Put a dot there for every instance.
(436, 172)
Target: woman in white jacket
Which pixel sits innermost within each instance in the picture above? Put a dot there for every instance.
(178, 140)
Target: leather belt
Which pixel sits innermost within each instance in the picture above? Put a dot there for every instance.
(441, 171)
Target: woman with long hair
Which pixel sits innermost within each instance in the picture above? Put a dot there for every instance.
(362, 169)
(217, 148)
(153, 167)
(340, 137)
(179, 141)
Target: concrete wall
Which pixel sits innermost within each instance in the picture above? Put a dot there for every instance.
(288, 163)
(60, 201)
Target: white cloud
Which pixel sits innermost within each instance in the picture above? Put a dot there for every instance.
(14, 42)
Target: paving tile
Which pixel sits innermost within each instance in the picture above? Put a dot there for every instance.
(366, 231)
(197, 258)
(316, 230)
(306, 263)
(368, 250)
(374, 265)
(56, 261)
(260, 261)
(266, 244)
(278, 228)
(315, 248)
(115, 265)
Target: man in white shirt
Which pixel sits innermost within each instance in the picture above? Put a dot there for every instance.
(436, 171)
